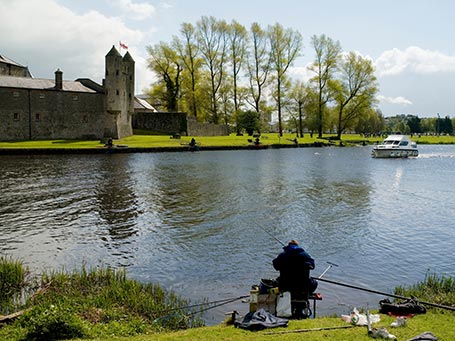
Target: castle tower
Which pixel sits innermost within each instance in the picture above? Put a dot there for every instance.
(119, 91)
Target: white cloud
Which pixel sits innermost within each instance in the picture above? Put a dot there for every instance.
(394, 100)
(136, 11)
(413, 59)
(49, 36)
(301, 73)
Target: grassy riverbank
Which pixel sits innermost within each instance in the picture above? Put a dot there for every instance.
(103, 304)
(143, 139)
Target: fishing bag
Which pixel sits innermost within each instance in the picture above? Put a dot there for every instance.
(261, 319)
(408, 307)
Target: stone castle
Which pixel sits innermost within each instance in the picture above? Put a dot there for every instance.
(34, 109)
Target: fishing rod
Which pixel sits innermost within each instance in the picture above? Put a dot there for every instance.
(271, 235)
(383, 293)
(213, 303)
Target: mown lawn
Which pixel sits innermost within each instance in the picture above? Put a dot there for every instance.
(142, 139)
(440, 324)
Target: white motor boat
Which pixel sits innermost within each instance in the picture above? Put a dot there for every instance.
(395, 146)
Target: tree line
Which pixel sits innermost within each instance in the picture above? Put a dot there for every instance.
(412, 124)
(222, 72)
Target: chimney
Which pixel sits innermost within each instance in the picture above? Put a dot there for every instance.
(58, 80)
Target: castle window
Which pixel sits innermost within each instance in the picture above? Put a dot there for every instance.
(16, 116)
(85, 118)
(37, 117)
(41, 96)
(118, 92)
(75, 98)
(15, 94)
(116, 72)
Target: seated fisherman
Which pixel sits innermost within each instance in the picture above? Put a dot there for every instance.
(294, 264)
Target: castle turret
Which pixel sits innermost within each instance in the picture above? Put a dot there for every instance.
(113, 81)
(129, 64)
(119, 90)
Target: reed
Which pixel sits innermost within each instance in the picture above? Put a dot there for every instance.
(434, 288)
(12, 282)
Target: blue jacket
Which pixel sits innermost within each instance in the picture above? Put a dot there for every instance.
(294, 264)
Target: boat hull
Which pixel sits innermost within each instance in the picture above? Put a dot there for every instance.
(394, 153)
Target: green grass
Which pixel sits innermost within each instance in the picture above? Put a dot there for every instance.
(439, 324)
(94, 303)
(144, 139)
(12, 282)
(103, 304)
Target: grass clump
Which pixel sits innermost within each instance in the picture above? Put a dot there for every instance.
(97, 303)
(13, 276)
(435, 289)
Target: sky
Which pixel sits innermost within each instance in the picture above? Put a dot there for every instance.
(410, 42)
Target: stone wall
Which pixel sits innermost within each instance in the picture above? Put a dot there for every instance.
(172, 123)
(160, 122)
(206, 129)
(49, 114)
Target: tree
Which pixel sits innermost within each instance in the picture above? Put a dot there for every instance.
(414, 124)
(188, 50)
(299, 95)
(248, 120)
(237, 38)
(258, 65)
(355, 91)
(285, 48)
(370, 123)
(325, 65)
(165, 62)
(212, 43)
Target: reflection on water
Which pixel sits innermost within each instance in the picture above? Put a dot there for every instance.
(194, 222)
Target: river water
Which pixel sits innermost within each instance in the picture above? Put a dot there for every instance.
(195, 222)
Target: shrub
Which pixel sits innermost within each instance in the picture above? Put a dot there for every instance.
(52, 323)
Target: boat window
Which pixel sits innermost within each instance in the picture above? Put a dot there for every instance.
(404, 143)
(396, 142)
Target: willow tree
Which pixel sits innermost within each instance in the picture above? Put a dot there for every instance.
(188, 49)
(166, 64)
(212, 43)
(355, 90)
(325, 65)
(286, 45)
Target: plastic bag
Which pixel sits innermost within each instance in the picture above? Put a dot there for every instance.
(358, 319)
(283, 305)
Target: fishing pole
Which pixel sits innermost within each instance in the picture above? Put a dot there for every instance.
(213, 303)
(383, 293)
(271, 235)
